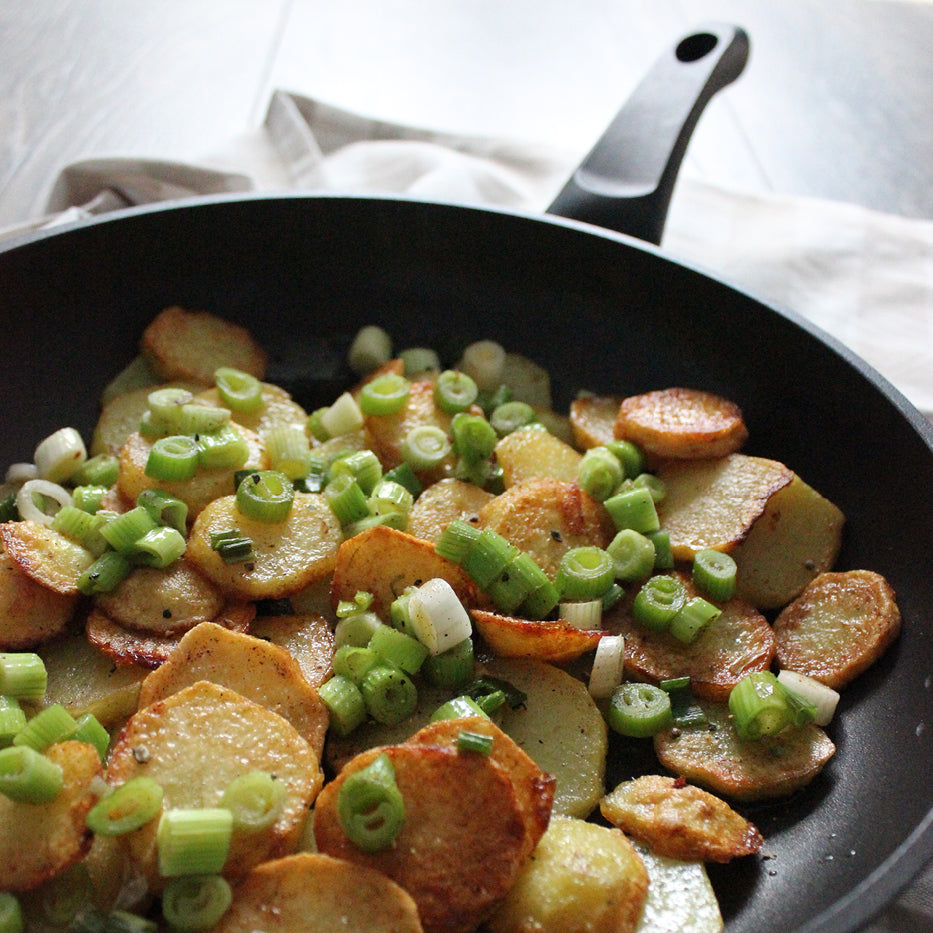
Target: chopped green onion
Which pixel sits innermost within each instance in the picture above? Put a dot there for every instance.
(289, 450)
(165, 404)
(386, 394)
(633, 555)
(425, 447)
(474, 438)
(370, 349)
(600, 473)
(8, 510)
(454, 391)
(419, 361)
(344, 703)
(389, 497)
(484, 362)
(824, 699)
(761, 705)
(12, 719)
(486, 686)
(346, 499)
(488, 557)
(196, 902)
(370, 807)
(398, 649)
(510, 416)
(89, 729)
(232, 546)
(405, 475)
(88, 498)
(612, 596)
(582, 614)
(27, 776)
(361, 465)
(361, 602)
(199, 418)
(540, 601)
(193, 842)
(639, 710)
(633, 508)
(438, 619)
(355, 663)
(396, 520)
(693, 618)
(105, 574)
(356, 629)
(126, 529)
(461, 707)
(452, 668)
(585, 573)
(126, 808)
(389, 694)
(658, 601)
(11, 914)
(315, 425)
(456, 539)
(39, 500)
(51, 724)
(173, 458)
(74, 523)
(164, 509)
(95, 920)
(492, 397)
(714, 574)
(265, 496)
(59, 455)
(256, 800)
(342, 417)
(475, 743)
(654, 485)
(241, 391)
(663, 556)
(520, 578)
(223, 449)
(630, 456)
(159, 547)
(608, 666)
(99, 470)
(62, 900)
(22, 675)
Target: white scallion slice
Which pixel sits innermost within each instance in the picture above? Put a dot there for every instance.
(438, 619)
(39, 500)
(19, 473)
(484, 362)
(371, 347)
(608, 666)
(342, 417)
(59, 455)
(584, 614)
(822, 697)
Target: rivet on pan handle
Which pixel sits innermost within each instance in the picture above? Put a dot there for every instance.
(626, 181)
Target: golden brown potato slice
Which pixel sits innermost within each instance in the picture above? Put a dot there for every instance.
(183, 344)
(307, 637)
(462, 843)
(533, 452)
(256, 669)
(838, 627)
(583, 878)
(31, 612)
(681, 423)
(197, 492)
(316, 893)
(554, 641)
(718, 760)
(592, 419)
(679, 820)
(278, 409)
(193, 744)
(443, 502)
(39, 841)
(546, 518)
(385, 562)
(162, 601)
(287, 555)
(45, 555)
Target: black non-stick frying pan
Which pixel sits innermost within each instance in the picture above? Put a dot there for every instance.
(603, 312)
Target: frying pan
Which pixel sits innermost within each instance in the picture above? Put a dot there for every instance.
(602, 311)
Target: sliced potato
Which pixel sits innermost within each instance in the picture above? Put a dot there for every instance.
(681, 423)
(45, 555)
(554, 641)
(256, 669)
(838, 627)
(547, 517)
(307, 637)
(442, 503)
(287, 555)
(317, 893)
(39, 841)
(193, 744)
(592, 418)
(583, 878)
(716, 759)
(533, 452)
(679, 820)
(529, 381)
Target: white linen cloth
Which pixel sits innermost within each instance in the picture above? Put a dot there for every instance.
(863, 276)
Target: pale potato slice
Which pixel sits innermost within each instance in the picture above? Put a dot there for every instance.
(183, 344)
(838, 627)
(278, 409)
(463, 839)
(681, 423)
(533, 452)
(316, 893)
(193, 744)
(547, 517)
(715, 503)
(39, 841)
(385, 562)
(442, 503)
(256, 669)
(287, 555)
(307, 637)
(679, 820)
(556, 423)
(31, 612)
(583, 878)
(592, 419)
(561, 729)
(529, 381)
(165, 601)
(554, 641)
(45, 555)
(716, 759)
(197, 492)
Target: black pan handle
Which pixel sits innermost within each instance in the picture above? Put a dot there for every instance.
(626, 181)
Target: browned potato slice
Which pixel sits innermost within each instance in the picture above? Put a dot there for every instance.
(31, 612)
(182, 344)
(592, 419)
(256, 669)
(39, 841)
(316, 893)
(715, 503)
(718, 760)
(735, 644)
(45, 555)
(278, 408)
(679, 820)
(546, 518)
(307, 637)
(681, 423)
(532, 452)
(193, 744)
(162, 602)
(287, 555)
(838, 627)
(197, 492)
(555, 641)
(583, 878)
(385, 562)
(462, 843)
(443, 502)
